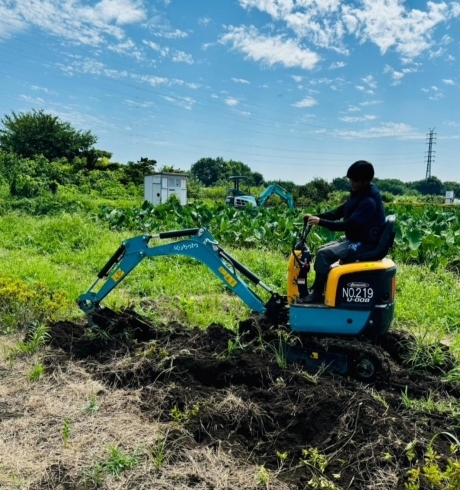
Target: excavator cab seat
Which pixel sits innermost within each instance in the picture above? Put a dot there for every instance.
(385, 243)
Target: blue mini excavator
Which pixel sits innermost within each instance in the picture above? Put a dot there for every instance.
(346, 333)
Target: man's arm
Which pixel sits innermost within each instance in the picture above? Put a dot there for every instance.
(359, 218)
(333, 215)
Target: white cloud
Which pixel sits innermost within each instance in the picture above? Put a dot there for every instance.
(297, 78)
(370, 102)
(397, 76)
(455, 9)
(353, 108)
(74, 19)
(10, 22)
(369, 80)
(316, 21)
(32, 100)
(389, 24)
(240, 80)
(232, 102)
(184, 102)
(182, 57)
(176, 34)
(121, 11)
(448, 81)
(333, 83)
(357, 118)
(163, 50)
(385, 130)
(435, 93)
(127, 47)
(269, 50)
(43, 89)
(136, 103)
(307, 102)
(337, 64)
(204, 21)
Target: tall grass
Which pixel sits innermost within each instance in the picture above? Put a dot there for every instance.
(63, 253)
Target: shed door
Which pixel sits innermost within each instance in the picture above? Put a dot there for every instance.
(156, 193)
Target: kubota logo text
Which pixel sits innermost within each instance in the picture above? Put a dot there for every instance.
(185, 246)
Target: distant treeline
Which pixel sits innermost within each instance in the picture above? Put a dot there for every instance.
(39, 153)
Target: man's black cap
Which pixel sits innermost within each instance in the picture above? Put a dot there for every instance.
(361, 171)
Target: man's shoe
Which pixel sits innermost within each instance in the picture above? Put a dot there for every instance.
(316, 296)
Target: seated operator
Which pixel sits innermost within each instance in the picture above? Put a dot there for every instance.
(363, 221)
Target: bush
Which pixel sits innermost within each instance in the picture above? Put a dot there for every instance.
(22, 304)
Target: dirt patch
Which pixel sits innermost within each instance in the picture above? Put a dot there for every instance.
(227, 393)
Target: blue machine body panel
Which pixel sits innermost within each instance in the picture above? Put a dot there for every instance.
(322, 319)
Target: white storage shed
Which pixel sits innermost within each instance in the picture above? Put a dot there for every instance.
(158, 187)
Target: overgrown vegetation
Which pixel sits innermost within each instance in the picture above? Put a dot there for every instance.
(62, 217)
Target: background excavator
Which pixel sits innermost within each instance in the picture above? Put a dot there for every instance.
(347, 333)
(239, 199)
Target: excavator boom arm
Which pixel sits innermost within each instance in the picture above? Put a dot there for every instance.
(276, 189)
(200, 245)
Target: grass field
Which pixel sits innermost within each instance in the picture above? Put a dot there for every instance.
(70, 422)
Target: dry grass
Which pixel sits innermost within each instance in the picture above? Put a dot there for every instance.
(35, 454)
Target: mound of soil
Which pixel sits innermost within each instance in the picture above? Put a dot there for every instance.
(230, 393)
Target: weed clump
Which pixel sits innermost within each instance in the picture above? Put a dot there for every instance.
(23, 304)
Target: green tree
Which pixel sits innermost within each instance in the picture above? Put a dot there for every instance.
(317, 190)
(393, 186)
(209, 170)
(36, 133)
(341, 184)
(431, 186)
(257, 179)
(237, 168)
(97, 159)
(171, 169)
(136, 171)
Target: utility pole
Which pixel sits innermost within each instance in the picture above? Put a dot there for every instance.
(431, 137)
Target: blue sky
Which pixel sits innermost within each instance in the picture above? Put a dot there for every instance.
(295, 89)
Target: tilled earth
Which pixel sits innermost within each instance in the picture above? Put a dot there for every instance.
(227, 393)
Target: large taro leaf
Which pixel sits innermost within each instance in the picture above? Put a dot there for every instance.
(414, 238)
(432, 241)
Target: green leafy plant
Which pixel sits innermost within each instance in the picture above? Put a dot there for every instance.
(279, 352)
(233, 345)
(93, 477)
(22, 303)
(281, 457)
(91, 405)
(312, 457)
(317, 463)
(179, 416)
(434, 473)
(159, 453)
(65, 432)
(263, 477)
(37, 336)
(36, 372)
(118, 461)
